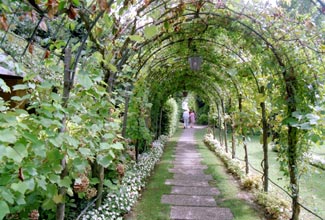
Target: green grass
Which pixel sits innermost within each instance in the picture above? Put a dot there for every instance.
(312, 187)
(228, 197)
(149, 206)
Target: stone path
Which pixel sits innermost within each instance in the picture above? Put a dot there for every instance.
(192, 197)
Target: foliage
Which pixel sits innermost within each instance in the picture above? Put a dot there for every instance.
(275, 208)
(33, 146)
(170, 117)
(139, 108)
(120, 200)
(251, 182)
(203, 119)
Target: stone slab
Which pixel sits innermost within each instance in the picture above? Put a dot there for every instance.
(189, 200)
(191, 163)
(196, 159)
(186, 171)
(200, 166)
(185, 158)
(200, 213)
(192, 152)
(193, 190)
(180, 176)
(186, 183)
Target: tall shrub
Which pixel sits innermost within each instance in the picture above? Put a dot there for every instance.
(170, 117)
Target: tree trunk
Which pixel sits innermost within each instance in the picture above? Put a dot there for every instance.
(233, 133)
(67, 85)
(224, 125)
(293, 171)
(265, 149)
(98, 172)
(243, 133)
(157, 124)
(246, 154)
(137, 143)
(293, 166)
(214, 129)
(220, 126)
(125, 116)
(265, 145)
(160, 121)
(233, 139)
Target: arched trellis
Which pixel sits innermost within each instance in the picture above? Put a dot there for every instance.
(285, 68)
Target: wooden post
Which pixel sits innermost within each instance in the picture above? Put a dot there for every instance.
(265, 144)
(67, 85)
(243, 133)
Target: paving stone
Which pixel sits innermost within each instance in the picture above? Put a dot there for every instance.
(185, 157)
(189, 200)
(195, 160)
(193, 190)
(193, 167)
(186, 171)
(185, 163)
(186, 183)
(200, 213)
(178, 176)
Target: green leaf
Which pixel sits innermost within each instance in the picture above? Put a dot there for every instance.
(104, 146)
(98, 56)
(136, 38)
(76, 2)
(289, 121)
(65, 182)
(21, 148)
(80, 164)
(2, 151)
(4, 209)
(54, 178)
(13, 154)
(8, 136)
(57, 141)
(30, 184)
(4, 86)
(7, 195)
(150, 31)
(117, 146)
(105, 161)
(41, 183)
(70, 192)
(112, 67)
(85, 151)
(54, 155)
(21, 187)
(20, 87)
(85, 81)
(20, 199)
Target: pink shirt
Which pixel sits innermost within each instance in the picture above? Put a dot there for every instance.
(192, 117)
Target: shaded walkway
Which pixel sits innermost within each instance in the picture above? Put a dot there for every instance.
(192, 197)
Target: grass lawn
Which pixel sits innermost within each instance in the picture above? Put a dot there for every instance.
(228, 198)
(149, 206)
(312, 183)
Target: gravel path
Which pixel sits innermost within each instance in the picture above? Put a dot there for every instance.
(192, 197)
